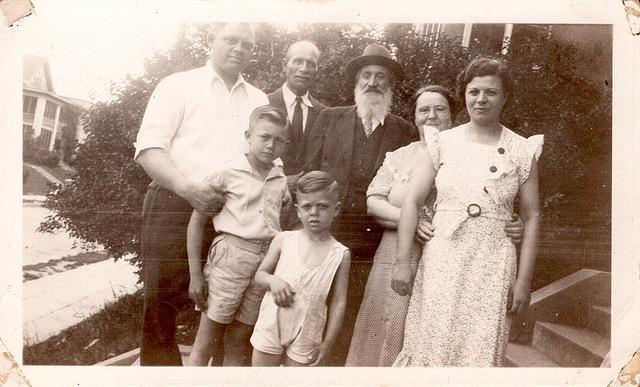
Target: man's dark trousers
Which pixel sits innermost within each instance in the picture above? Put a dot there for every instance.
(165, 269)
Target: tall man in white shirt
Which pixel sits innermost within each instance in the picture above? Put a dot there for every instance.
(195, 120)
(300, 67)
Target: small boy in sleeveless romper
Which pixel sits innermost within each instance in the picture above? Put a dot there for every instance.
(304, 271)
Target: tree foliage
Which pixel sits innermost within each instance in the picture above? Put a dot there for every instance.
(102, 204)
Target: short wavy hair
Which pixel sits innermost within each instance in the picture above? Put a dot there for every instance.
(268, 113)
(446, 93)
(481, 67)
(316, 181)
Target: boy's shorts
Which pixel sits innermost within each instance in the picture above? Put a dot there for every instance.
(291, 330)
(229, 271)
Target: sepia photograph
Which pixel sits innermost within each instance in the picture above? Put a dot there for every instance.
(257, 192)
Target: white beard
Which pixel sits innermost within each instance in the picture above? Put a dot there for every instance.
(371, 105)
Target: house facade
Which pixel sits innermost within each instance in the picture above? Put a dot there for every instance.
(45, 113)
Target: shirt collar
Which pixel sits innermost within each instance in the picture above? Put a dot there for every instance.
(241, 163)
(290, 97)
(375, 122)
(212, 76)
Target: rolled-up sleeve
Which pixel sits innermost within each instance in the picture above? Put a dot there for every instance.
(162, 117)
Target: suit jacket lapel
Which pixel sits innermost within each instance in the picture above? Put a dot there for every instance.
(278, 100)
(389, 141)
(311, 116)
(311, 119)
(345, 126)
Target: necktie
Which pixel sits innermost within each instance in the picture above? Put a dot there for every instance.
(368, 127)
(295, 131)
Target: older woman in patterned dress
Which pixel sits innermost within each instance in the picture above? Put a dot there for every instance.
(379, 328)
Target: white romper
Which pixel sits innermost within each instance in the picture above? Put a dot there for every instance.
(298, 328)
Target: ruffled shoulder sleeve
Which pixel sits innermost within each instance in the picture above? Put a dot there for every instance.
(383, 180)
(532, 149)
(432, 139)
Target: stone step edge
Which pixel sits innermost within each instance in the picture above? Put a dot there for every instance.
(132, 357)
(533, 355)
(561, 329)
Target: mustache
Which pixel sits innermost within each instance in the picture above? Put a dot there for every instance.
(374, 89)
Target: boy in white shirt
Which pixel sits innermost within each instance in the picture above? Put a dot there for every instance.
(254, 189)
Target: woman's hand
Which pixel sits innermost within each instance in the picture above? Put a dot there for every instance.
(520, 297)
(281, 291)
(198, 291)
(424, 232)
(402, 278)
(514, 229)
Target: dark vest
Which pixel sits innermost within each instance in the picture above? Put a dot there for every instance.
(356, 229)
(363, 162)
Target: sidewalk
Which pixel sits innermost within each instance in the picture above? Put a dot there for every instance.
(38, 247)
(37, 199)
(56, 302)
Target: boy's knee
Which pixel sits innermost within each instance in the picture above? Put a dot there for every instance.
(238, 349)
(238, 335)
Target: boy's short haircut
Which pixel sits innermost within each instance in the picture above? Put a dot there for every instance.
(315, 181)
(268, 113)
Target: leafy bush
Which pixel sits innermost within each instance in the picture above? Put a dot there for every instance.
(102, 204)
(35, 154)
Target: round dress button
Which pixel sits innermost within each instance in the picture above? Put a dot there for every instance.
(493, 168)
(474, 210)
(501, 150)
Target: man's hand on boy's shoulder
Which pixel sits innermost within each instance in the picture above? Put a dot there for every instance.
(203, 197)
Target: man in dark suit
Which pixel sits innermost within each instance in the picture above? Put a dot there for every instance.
(300, 67)
(351, 142)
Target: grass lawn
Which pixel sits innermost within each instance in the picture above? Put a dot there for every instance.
(31, 272)
(111, 332)
(36, 184)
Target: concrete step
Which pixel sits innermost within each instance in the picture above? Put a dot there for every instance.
(132, 358)
(570, 346)
(599, 320)
(519, 355)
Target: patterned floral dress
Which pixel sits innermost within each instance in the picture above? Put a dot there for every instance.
(379, 329)
(458, 310)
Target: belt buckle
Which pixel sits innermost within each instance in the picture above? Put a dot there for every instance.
(474, 210)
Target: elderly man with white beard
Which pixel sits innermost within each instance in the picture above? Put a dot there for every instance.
(350, 142)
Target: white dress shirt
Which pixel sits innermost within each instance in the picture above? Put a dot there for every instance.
(290, 102)
(374, 123)
(194, 117)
